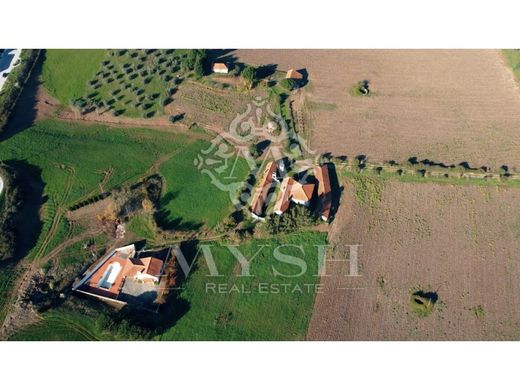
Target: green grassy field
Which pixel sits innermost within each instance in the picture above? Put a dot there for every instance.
(60, 325)
(65, 73)
(255, 315)
(134, 83)
(512, 57)
(190, 197)
(87, 152)
(228, 316)
(143, 226)
(73, 159)
(8, 275)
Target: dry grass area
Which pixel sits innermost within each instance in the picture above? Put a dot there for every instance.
(446, 105)
(461, 242)
(209, 107)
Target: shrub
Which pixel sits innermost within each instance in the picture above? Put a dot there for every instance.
(422, 303)
(296, 218)
(199, 67)
(288, 84)
(249, 75)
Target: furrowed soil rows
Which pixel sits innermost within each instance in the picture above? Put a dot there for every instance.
(461, 242)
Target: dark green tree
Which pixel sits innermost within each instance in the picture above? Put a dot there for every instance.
(249, 75)
(199, 67)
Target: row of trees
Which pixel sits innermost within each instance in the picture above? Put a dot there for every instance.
(10, 203)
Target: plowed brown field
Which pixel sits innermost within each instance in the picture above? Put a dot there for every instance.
(445, 105)
(462, 242)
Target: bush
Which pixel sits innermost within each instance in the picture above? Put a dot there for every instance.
(297, 217)
(199, 67)
(288, 84)
(249, 75)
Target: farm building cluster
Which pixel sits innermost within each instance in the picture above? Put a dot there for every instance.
(127, 276)
(314, 186)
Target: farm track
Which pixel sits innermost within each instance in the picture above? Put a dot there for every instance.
(107, 175)
(47, 107)
(79, 329)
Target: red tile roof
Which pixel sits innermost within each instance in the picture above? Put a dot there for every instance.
(324, 190)
(284, 197)
(260, 197)
(302, 192)
(153, 266)
(129, 267)
(294, 74)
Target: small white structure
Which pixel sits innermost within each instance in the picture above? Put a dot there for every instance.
(110, 275)
(220, 67)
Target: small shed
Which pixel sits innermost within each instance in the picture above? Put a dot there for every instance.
(220, 67)
(294, 74)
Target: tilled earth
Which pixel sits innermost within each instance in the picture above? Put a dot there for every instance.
(449, 106)
(461, 242)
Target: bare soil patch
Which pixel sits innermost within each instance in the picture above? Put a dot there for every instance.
(460, 242)
(446, 105)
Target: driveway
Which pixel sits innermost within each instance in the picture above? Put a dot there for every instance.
(8, 59)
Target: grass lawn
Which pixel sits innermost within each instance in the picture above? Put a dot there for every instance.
(65, 72)
(512, 57)
(60, 325)
(86, 153)
(133, 83)
(143, 226)
(8, 276)
(282, 315)
(255, 315)
(190, 197)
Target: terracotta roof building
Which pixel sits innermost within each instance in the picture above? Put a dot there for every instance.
(107, 278)
(302, 193)
(324, 191)
(293, 191)
(284, 197)
(219, 67)
(261, 196)
(294, 74)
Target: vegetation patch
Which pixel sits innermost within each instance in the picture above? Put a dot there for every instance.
(368, 190)
(134, 83)
(361, 88)
(512, 57)
(65, 72)
(479, 312)
(193, 198)
(422, 303)
(255, 307)
(144, 226)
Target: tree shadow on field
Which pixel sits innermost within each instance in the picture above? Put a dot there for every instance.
(24, 113)
(163, 217)
(222, 55)
(175, 306)
(305, 79)
(28, 226)
(266, 71)
(336, 190)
